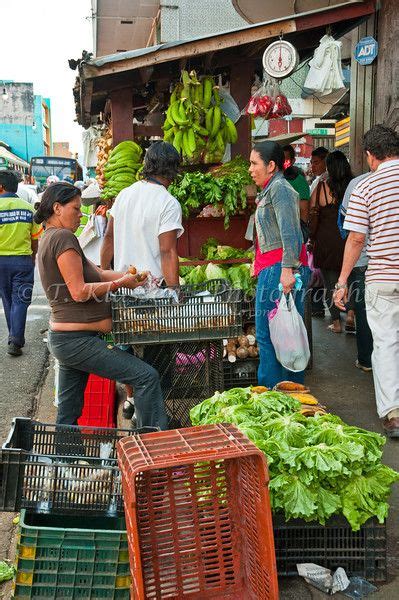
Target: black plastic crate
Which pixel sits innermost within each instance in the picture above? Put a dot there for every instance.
(208, 311)
(189, 372)
(361, 553)
(61, 468)
(242, 373)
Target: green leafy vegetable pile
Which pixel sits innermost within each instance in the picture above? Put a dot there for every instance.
(212, 250)
(6, 571)
(224, 189)
(318, 466)
(238, 275)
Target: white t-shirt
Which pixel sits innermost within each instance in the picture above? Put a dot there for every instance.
(142, 212)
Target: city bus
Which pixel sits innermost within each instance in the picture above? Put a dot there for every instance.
(8, 160)
(42, 167)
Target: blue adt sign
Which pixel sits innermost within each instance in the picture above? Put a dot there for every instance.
(366, 50)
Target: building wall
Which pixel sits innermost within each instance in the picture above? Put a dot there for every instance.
(185, 19)
(22, 121)
(120, 25)
(62, 149)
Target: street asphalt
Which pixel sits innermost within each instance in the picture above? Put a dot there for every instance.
(27, 388)
(21, 379)
(22, 376)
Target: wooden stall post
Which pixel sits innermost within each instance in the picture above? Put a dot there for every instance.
(241, 79)
(387, 87)
(361, 99)
(122, 115)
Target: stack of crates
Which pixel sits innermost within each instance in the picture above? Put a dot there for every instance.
(72, 541)
(189, 372)
(181, 340)
(198, 515)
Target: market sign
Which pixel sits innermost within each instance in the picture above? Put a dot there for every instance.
(366, 50)
(319, 131)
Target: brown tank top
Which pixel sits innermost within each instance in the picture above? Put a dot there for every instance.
(64, 309)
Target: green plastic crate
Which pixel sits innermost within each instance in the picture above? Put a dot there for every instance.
(58, 559)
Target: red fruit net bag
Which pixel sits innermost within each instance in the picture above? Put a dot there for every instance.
(268, 102)
(261, 102)
(281, 107)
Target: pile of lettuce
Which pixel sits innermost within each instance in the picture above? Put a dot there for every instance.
(239, 275)
(318, 466)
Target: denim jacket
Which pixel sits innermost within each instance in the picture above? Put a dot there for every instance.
(277, 222)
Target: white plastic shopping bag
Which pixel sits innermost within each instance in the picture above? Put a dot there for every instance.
(288, 335)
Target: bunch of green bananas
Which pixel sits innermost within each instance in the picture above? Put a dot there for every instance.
(120, 170)
(195, 123)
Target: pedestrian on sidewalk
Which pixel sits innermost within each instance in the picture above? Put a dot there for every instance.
(77, 291)
(325, 238)
(144, 224)
(24, 191)
(373, 211)
(18, 247)
(357, 281)
(279, 253)
(319, 170)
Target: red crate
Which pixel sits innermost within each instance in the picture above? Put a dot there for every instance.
(198, 515)
(99, 408)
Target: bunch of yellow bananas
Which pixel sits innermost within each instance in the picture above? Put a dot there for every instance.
(195, 123)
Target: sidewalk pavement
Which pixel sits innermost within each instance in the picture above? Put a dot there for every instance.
(345, 391)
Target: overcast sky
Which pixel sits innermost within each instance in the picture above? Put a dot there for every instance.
(37, 38)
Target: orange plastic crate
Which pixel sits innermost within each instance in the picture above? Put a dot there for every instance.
(99, 403)
(198, 515)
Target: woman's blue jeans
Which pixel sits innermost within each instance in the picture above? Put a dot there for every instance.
(270, 370)
(83, 352)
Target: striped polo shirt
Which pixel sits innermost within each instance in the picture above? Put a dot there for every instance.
(374, 209)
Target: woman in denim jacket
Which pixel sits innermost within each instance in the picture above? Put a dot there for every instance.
(279, 252)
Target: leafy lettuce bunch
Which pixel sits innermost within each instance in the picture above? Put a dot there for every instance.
(318, 466)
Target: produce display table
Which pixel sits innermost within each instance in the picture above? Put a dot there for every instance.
(198, 229)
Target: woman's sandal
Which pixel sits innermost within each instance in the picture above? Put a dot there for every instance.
(350, 328)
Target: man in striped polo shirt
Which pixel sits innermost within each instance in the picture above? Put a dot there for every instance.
(374, 211)
(18, 246)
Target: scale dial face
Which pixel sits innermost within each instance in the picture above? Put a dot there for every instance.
(280, 59)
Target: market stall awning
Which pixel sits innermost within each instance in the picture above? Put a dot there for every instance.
(287, 138)
(163, 63)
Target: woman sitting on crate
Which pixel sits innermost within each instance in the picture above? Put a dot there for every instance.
(77, 291)
(279, 252)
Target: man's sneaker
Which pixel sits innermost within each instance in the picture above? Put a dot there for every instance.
(128, 410)
(14, 349)
(362, 367)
